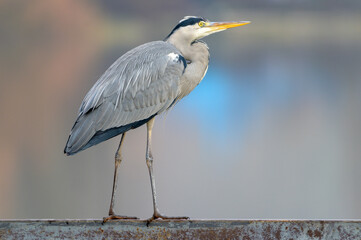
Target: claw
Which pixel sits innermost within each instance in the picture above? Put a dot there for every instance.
(159, 216)
(110, 217)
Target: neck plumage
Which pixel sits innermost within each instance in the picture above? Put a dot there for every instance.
(191, 50)
(197, 55)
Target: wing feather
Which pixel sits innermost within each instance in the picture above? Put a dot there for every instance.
(140, 84)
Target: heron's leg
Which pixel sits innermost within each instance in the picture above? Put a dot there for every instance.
(149, 160)
(118, 160)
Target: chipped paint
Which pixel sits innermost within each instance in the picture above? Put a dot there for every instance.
(187, 229)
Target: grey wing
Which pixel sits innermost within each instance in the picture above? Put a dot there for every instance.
(139, 85)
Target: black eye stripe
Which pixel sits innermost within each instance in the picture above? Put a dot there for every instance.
(187, 22)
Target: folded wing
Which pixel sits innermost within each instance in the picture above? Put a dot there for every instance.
(139, 85)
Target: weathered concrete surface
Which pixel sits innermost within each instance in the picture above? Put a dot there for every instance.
(192, 229)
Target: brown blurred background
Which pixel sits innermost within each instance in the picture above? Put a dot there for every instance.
(273, 131)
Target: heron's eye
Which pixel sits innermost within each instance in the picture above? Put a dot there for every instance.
(201, 23)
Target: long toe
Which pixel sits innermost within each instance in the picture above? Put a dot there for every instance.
(112, 217)
(162, 217)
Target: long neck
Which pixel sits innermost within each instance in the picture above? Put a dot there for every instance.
(193, 51)
(197, 56)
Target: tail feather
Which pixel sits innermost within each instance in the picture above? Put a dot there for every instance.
(83, 136)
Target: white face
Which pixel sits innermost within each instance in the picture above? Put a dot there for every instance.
(200, 29)
(203, 31)
(197, 31)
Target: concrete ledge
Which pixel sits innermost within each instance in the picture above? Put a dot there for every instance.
(190, 229)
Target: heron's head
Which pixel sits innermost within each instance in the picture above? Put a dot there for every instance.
(192, 28)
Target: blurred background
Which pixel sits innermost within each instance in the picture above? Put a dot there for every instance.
(273, 130)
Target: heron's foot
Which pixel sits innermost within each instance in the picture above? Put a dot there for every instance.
(111, 217)
(162, 217)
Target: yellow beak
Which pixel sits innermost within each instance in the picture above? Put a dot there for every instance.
(218, 26)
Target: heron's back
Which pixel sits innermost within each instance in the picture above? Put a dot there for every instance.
(139, 85)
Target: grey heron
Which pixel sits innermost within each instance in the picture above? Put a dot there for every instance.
(143, 83)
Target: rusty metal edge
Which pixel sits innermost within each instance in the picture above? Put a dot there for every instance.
(181, 229)
(192, 220)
